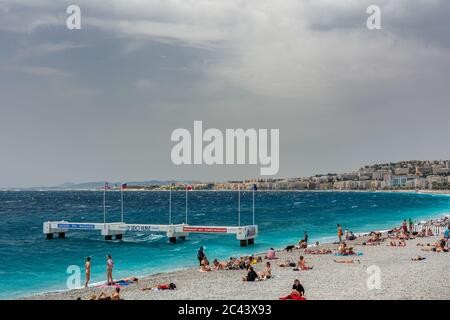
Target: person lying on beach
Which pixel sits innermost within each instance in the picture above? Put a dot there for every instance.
(302, 264)
(422, 234)
(430, 233)
(317, 251)
(267, 273)
(401, 243)
(347, 261)
(163, 286)
(219, 265)
(376, 237)
(286, 263)
(251, 275)
(439, 246)
(103, 296)
(418, 258)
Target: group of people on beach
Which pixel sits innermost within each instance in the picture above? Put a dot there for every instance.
(109, 270)
(396, 237)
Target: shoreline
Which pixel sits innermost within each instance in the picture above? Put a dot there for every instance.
(191, 274)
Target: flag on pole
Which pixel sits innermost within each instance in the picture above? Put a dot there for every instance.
(188, 187)
(124, 186)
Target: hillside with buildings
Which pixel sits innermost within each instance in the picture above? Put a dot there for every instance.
(405, 175)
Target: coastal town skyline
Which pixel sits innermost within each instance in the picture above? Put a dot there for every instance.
(406, 175)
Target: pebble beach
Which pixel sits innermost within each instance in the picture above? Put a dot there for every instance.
(400, 277)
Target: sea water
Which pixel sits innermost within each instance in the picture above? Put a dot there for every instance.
(31, 264)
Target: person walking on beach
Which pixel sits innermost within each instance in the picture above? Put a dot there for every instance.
(339, 231)
(200, 255)
(109, 269)
(87, 267)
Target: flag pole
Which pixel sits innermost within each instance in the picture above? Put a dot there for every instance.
(170, 205)
(239, 205)
(186, 204)
(253, 205)
(104, 203)
(121, 200)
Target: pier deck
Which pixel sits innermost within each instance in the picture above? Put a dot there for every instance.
(245, 234)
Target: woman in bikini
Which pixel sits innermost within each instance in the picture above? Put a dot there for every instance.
(302, 264)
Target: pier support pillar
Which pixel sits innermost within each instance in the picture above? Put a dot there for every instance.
(251, 241)
(62, 235)
(172, 239)
(49, 236)
(119, 236)
(243, 243)
(108, 237)
(182, 238)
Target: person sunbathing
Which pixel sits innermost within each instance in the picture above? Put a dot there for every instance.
(302, 264)
(116, 294)
(347, 261)
(286, 263)
(317, 251)
(343, 250)
(219, 265)
(418, 258)
(430, 233)
(163, 286)
(267, 273)
(422, 234)
(204, 266)
(103, 296)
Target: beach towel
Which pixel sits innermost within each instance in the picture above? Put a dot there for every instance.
(292, 297)
(348, 254)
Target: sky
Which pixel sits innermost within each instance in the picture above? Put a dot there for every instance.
(100, 103)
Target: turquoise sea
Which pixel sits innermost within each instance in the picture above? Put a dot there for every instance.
(32, 264)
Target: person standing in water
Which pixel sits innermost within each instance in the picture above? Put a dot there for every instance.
(87, 267)
(339, 232)
(200, 255)
(306, 239)
(109, 269)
